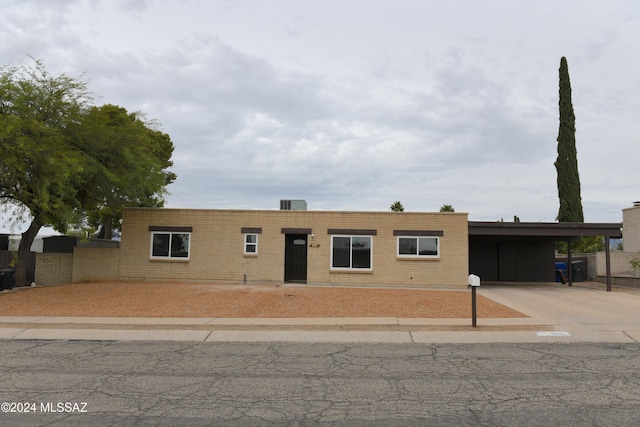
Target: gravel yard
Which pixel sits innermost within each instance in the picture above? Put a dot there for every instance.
(147, 299)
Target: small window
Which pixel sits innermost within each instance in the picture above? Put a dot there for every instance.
(170, 245)
(351, 252)
(251, 244)
(427, 247)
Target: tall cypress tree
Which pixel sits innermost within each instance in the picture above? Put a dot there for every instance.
(567, 162)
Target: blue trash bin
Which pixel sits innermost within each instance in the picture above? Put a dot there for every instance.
(561, 272)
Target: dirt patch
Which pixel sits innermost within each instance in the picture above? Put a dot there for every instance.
(146, 299)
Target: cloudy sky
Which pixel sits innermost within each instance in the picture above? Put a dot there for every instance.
(353, 104)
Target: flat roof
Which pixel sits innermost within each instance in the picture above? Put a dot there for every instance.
(556, 230)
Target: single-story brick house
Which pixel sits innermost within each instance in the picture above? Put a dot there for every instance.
(314, 247)
(425, 249)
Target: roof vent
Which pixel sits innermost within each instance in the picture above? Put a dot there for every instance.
(636, 203)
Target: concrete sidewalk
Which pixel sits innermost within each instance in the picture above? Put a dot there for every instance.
(556, 314)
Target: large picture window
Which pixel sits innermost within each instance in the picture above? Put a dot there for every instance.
(351, 252)
(410, 246)
(170, 245)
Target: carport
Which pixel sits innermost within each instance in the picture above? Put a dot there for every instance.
(525, 251)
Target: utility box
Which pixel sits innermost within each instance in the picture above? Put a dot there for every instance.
(293, 205)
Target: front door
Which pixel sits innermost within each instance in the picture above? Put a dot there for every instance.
(295, 258)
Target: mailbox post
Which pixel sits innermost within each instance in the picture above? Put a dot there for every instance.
(474, 282)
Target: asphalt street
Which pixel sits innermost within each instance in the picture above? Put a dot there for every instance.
(127, 383)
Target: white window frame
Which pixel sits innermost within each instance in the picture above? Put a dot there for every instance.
(418, 255)
(351, 268)
(247, 244)
(169, 257)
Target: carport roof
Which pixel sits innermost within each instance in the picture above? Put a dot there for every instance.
(555, 230)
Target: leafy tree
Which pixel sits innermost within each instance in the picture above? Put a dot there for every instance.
(447, 208)
(396, 207)
(39, 169)
(127, 165)
(64, 162)
(586, 245)
(567, 163)
(591, 244)
(567, 168)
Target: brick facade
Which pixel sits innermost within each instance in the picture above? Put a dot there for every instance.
(631, 229)
(53, 268)
(95, 264)
(217, 246)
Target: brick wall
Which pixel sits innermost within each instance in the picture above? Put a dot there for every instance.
(95, 264)
(620, 263)
(631, 229)
(53, 268)
(216, 252)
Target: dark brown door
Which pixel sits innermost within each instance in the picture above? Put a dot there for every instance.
(295, 258)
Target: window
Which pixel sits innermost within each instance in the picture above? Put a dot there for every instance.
(428, 247)
(351, 252)
(251, 244)
(170, 245)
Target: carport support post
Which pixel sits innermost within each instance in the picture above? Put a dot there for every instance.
(607, 251)
(569, 266)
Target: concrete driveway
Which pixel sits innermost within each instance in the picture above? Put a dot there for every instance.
(573, 308)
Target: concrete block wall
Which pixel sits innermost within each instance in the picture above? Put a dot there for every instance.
(620, 263)
(95, 264)
(631, 229)
(216, 252)
(53, 268)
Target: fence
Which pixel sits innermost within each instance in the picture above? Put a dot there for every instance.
(83, 265)
(54, 268)
(95, 264)
(7, 256)
(621, 271)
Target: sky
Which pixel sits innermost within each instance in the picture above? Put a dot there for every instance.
(354, 104)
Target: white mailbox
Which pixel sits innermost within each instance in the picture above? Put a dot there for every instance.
(474, 280)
